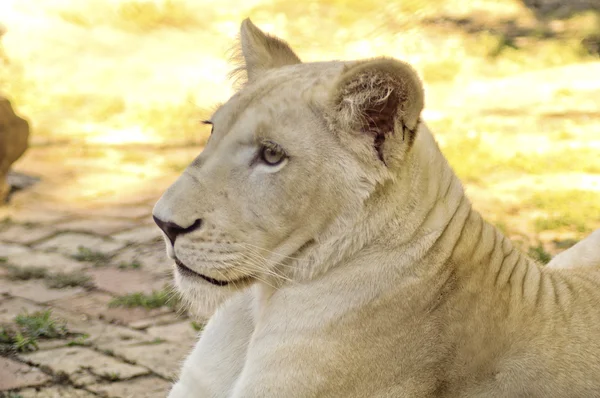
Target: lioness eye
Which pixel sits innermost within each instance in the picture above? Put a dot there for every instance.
(272, 156)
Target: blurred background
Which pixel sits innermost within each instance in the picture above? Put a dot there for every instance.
(114, 91)
(118, 86)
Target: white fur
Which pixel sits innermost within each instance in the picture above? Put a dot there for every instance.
(374, 277)
(585, 253)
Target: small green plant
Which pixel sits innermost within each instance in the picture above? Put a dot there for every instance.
(108, 352)
(10, 395)
(197, 326)
(165, 297)
(540, 254)
(3, 260)
(85, 254)
(40, 324)
(79, 341)
(26, 273)
(27, 329)
(61, 280)
(156, 299)
(135, 264)
(24, 343)
(111, 376)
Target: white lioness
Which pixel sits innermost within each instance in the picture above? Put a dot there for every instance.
(345, 259)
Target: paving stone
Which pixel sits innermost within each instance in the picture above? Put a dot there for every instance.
(143, 234)
(177, 332)
(53, 343)
(12, 307)
(163, 359)
(141, 387)
(168, 318)
(15, 375)
(76, 361)
(120, 282)
(54, 262)
(36, 215)
(69, 243)
(130, 212)
(8, 249)
(36, 290)
(102, 335)
(152, 257)
(18, 233)
(96, 226)
(153, 252)
(56, 392)
(96, 304)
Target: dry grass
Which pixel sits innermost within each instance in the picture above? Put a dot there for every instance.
(147, 71)
(576, 210)
(136, 16)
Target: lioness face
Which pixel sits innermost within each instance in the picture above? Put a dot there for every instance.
(300, 147)
(268, 181)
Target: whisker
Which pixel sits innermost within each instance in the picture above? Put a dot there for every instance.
(256, 252)
(249, 245)
(264, 268)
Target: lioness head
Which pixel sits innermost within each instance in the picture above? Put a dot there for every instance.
(292, 159)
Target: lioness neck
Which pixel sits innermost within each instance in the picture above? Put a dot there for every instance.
(441, 235)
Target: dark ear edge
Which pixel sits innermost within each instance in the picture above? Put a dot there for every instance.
(379, 97)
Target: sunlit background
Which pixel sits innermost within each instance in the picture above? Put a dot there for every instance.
(115, 89)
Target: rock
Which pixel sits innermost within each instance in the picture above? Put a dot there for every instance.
(14, 138)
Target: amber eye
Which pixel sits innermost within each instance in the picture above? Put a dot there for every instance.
(272, 155)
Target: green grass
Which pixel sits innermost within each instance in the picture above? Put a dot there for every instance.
(156, 299)
(85, 254)
(54, 280)
(111, 376)
(80, 341)
(10, 395)
(571, 160)
(540, 254)
(197, 326)
(40, 324)
(471, 158)
(28, 328)
(475, 159)
(62, 280)
(26, 273)
(571, 210)
(135, 264)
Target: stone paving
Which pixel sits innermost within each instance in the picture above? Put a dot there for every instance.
(110, 350)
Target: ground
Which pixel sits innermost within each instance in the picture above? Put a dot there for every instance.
(115, 90)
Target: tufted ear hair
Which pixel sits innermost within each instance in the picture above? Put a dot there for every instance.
(261, 51)
(380, 97)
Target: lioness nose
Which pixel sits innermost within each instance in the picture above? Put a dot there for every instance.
(173, 230)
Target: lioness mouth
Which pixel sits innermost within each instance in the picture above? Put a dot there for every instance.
(186, 271)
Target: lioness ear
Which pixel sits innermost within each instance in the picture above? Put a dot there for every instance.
(379, 97)
(262, 52)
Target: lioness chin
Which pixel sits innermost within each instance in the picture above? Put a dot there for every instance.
(343, 259)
